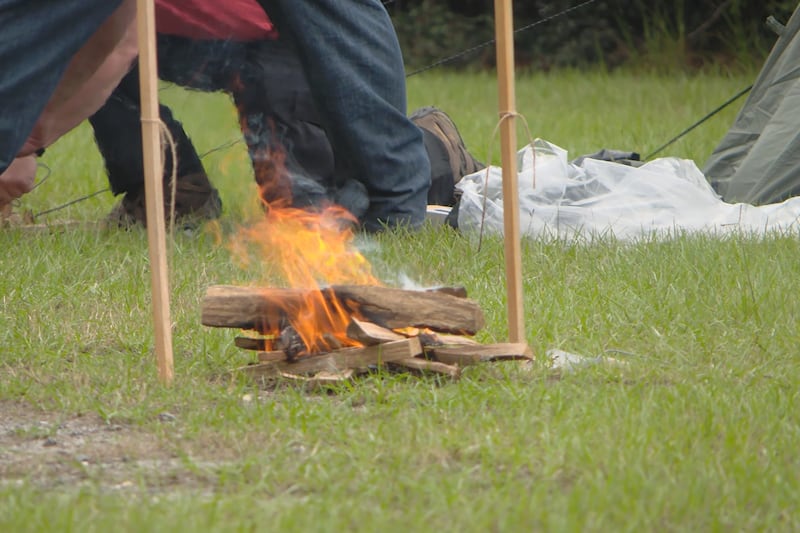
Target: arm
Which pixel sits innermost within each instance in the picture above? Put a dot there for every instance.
(90, 78)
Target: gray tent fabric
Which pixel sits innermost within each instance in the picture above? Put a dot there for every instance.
(758, 160)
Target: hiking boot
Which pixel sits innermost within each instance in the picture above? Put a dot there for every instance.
(196, 200)
(450, 160)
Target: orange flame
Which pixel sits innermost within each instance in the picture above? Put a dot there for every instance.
(310, 249)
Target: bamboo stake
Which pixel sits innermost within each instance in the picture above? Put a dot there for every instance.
(154, 192)
(504, 36)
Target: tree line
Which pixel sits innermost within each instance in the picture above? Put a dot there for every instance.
(685, 34)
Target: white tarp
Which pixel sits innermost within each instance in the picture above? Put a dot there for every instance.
(666, 196)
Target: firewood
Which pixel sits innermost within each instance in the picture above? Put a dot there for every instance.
(254, 308)
(256, 344)
(290, 342)
(354, 358)
(266, 357)
(424, 366)
(470, 354)
(369, 334)
(459, 292)
(399, 308)
(320, 380)
(446, 339)
(263, 309)
(250, 343)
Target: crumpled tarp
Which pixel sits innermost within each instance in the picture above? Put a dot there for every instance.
(667, 196)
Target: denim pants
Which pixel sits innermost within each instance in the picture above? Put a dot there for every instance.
(118, 133)
(266, 82)
(37, 40)
(352, 59)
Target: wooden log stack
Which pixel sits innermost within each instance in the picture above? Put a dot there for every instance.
(418, 331)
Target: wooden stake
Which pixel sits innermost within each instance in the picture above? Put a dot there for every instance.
(504, 35)
(154, 192)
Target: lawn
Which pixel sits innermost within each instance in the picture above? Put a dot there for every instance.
(696, 429)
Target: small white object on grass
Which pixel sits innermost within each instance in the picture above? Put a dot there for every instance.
(437, 213)
(561, 360)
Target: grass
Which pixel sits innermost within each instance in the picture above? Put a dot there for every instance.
(696, 432)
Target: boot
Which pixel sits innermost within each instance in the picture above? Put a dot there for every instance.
(196, 201)
(450, 160)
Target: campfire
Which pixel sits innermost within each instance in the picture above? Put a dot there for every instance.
(334, 319)
(420, 331)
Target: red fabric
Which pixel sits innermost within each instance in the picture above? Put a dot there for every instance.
(239, 20)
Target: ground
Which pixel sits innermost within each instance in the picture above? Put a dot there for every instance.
(53, 451)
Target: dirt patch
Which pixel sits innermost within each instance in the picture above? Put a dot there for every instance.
(54, 451)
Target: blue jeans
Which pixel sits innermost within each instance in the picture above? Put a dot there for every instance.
(267, 84)
(352, 59)
(37, 40)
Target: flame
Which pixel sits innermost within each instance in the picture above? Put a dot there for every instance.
(309, 249)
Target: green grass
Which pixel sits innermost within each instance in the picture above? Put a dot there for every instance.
(697, 431)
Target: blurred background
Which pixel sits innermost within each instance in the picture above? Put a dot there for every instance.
(661, 35)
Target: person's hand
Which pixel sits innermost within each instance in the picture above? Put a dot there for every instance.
(18, 179)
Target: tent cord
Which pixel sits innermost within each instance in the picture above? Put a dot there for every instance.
(728, 102)
(71, 202)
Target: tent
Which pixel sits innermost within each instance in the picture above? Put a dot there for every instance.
(758, 160)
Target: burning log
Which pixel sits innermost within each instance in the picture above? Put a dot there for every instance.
(266, 309)
(290, 342)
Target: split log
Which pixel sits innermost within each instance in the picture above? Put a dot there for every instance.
(481, 353)
(250, 343)
(277, 355)
(266, 309)
(459, 292)
(370, 334)
(320, 380)
(424, 366)
(399, 308)
(340, 360)
(446, 339)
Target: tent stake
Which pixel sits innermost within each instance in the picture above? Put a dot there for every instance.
(504, 35)
(154, 192)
